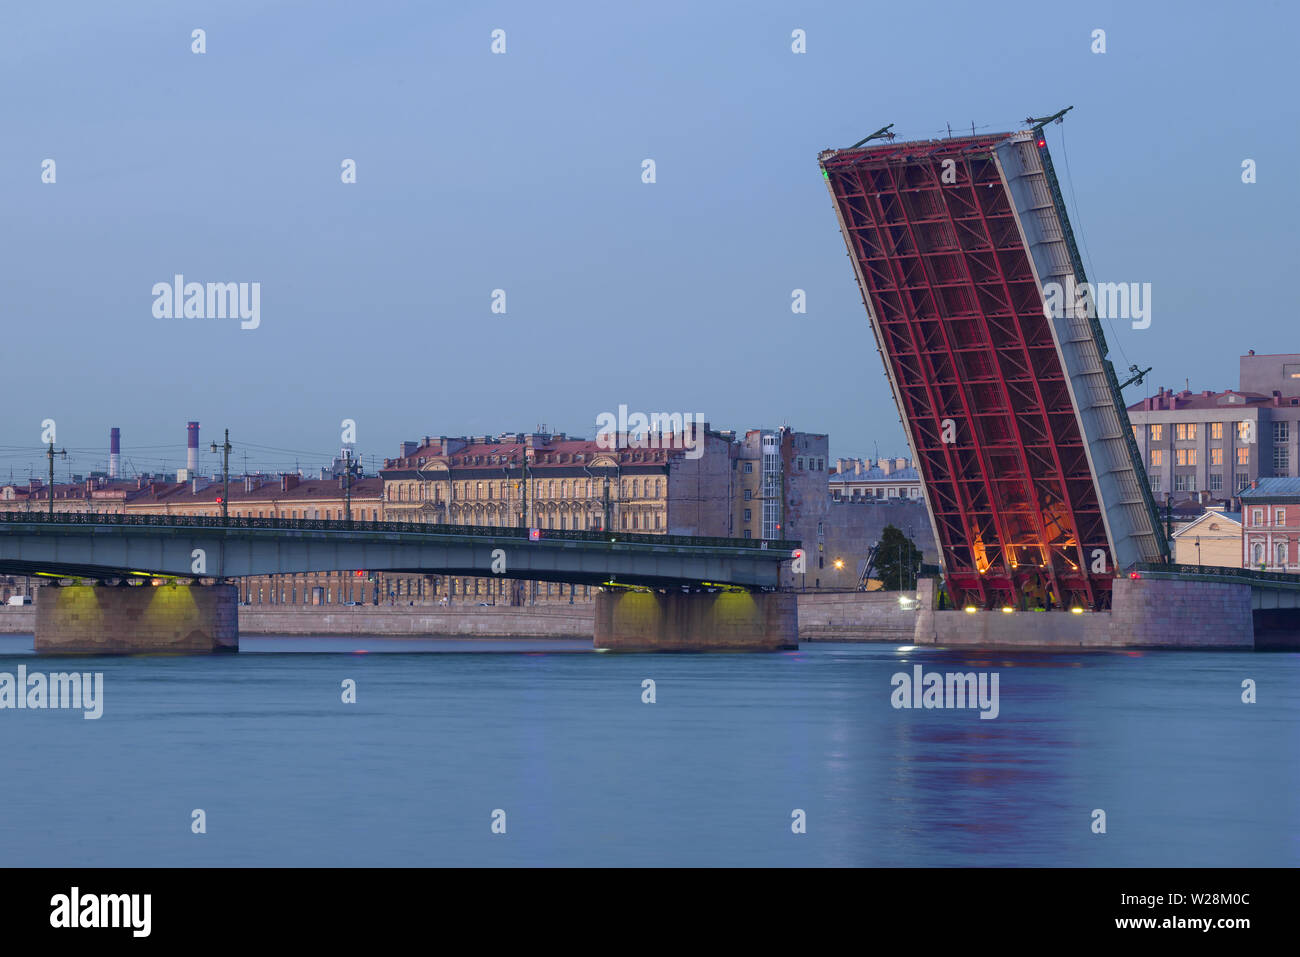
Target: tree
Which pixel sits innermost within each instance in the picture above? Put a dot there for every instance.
(898, 560)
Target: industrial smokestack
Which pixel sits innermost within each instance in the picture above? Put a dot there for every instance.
(114, 451)
(192, 448)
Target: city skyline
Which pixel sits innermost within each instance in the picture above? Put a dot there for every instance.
(529, 180)
(20, 459)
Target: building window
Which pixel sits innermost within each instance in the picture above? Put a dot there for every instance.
(1185, 431)
(749, 468)
(1257, 516)
(748, 533)
(1279, 516)
(1155, 483)
(749, 514)
(800, 463)
(1281, 448)
(1216, 430)
(749, 494)
(1183, 482)
(1216, 456)
(1185, 456)
(1243, 456)
(1245, 432)
(1243, 480)
(1257, 554)
(1280, 554)
(1216, 481)
(1157, 456)
(1156, 432)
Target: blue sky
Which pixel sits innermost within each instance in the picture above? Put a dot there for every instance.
(522, 172)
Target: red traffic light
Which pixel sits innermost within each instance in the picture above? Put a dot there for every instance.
(534, 534)
(1041, 142)
(220, 499)
(1134, 575)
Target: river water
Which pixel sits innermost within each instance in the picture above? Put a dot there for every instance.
(445, 733)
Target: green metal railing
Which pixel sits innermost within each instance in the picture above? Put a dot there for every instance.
(1218, 571)
(406, 528)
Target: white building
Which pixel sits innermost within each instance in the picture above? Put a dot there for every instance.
(859, 480)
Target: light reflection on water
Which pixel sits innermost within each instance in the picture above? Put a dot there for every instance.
(708, 775)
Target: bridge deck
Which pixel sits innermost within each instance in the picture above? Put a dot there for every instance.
(88, 545)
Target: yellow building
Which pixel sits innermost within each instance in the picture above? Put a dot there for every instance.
(1212, 539)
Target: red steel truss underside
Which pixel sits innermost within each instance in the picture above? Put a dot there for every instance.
(959, 320)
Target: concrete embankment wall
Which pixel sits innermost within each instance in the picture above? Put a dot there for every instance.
(851, 616)
(1148, 613)
(855, 616)
(499, 621)
(17, 620)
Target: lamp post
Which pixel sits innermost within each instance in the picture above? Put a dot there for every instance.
(225, 478)
(50, 453)
(348, 467)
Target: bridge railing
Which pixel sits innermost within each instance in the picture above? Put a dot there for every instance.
(1218, 571)
(417, 528)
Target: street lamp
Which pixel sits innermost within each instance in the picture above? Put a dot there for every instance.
(225, 477)
(51, 453)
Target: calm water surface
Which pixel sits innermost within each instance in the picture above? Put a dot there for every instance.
(557, 736)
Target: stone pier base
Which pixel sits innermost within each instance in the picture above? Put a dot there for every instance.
(722, 621)
(137, 619)
(1145, 613)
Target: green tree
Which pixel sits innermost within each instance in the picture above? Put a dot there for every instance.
(897, 560)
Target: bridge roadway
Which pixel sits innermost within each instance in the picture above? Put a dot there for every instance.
(115, 546)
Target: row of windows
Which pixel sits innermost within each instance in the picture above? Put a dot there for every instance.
(1187, 431)
(1257, 516)
(1257, 553)
(577, 522)
(1187, 482)
(260, 591)
(330, 514)
(903, 491)
(1188, 456)
(490, 491)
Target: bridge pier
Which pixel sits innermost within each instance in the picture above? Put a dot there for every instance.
(1145, 613)
(137, 619)
(628, 620)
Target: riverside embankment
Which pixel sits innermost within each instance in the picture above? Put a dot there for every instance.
(834, 616)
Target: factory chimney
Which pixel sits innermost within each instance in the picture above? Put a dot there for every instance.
(114, 452)
(192, 449)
